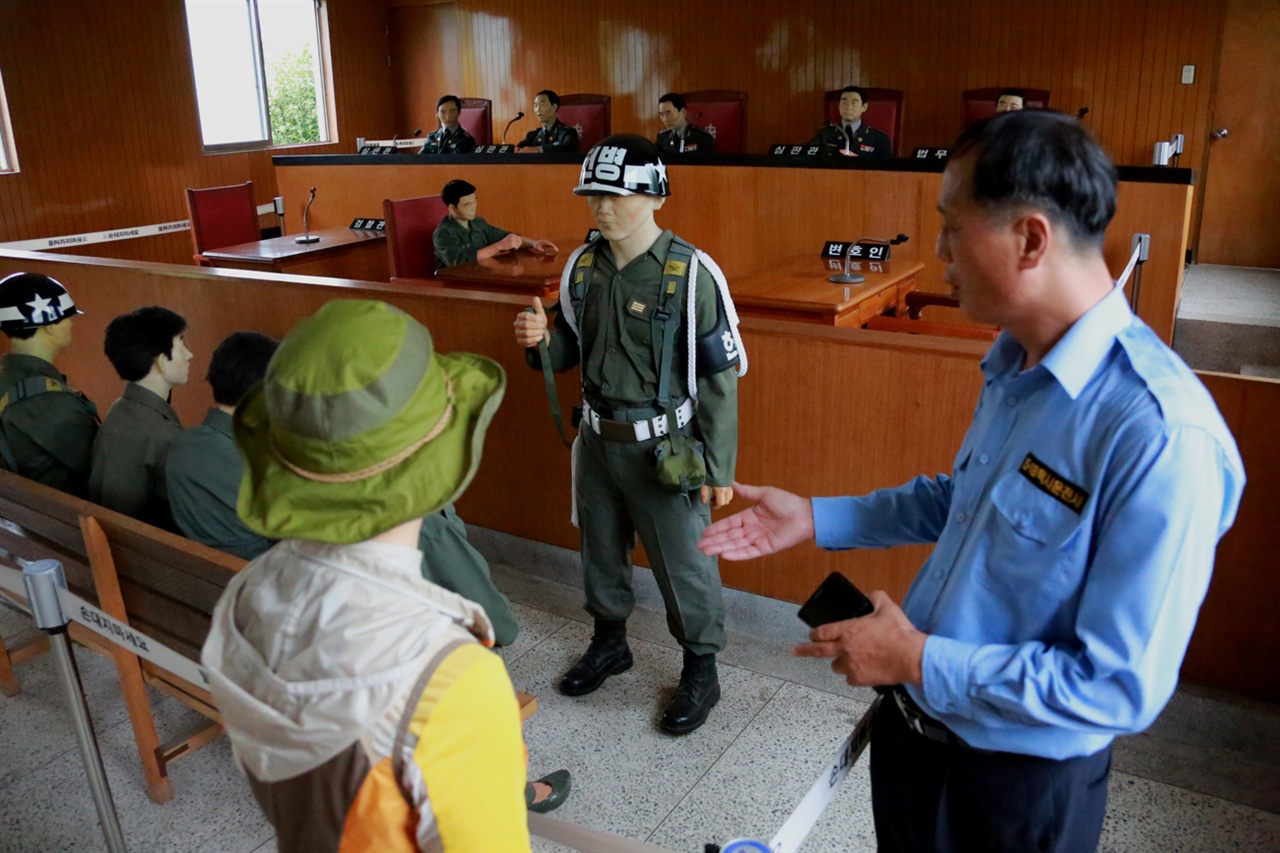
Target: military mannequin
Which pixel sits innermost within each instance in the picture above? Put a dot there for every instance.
(450, 137)
(46, 427)
(679, 135)
(625, 300)
(852, 137)
(554, 135)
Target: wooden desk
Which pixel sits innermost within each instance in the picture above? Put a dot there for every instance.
(524, 272)
(797, 288)
(340, 252)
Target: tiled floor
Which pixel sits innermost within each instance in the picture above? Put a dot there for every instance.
(1205, 777)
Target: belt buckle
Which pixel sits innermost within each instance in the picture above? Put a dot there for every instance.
(659, 425)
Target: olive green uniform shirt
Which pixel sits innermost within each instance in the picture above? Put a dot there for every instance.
(202, 477)
(450, 561)
(457, 245)
(621, 370)
(130, 454)
(50, 434)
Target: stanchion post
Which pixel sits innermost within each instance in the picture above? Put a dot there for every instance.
(43, 579)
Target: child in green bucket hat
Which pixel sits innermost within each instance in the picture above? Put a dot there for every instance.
(351, 688)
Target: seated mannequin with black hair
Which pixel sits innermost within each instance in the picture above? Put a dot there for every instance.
(853, 137)
(450, 137)
(132, 448)
(552, 135)
(679, 135)
(1011, 100)
(462, 237)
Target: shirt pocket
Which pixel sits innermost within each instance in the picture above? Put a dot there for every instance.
(1034, 540)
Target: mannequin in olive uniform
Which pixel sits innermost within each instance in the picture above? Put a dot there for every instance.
(131, 451)
(450, 137)
(49, 433)
(853, 138)
(553, 135)
(680, 136)
(618, 493)
(204, 469)
(462, 237)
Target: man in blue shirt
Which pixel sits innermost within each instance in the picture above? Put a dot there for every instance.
(1074, 537)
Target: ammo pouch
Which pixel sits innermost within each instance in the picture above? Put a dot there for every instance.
(681, 469)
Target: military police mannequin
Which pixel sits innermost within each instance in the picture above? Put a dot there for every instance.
(450, 137)
(46, 427)
(679, 136)
(852, 137)
(553, 135)
(622, 315)
(463, 237)
(1011, 100)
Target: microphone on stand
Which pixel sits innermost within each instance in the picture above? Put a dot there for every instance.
(1084, 111)
(508, 127)
(307, 237)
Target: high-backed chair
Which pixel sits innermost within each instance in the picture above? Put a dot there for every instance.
(884, 112)
(981, 103)
(221, 216)
(411, 222)
(721, 113)
(477, 119)
(590, 115)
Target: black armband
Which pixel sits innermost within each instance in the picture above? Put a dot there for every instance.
(717, 350)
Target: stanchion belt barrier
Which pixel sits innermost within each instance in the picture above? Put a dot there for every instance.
(109, 236)
(77, 609)
(787, 840)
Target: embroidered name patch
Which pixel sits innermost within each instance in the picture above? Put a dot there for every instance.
(1053, 484)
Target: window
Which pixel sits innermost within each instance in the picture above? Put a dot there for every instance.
(8, 157)
(259, 71)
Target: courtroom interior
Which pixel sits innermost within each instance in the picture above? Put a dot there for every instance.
(120, 180)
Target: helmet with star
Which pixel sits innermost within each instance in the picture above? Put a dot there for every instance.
(29, 300)
(623, 164)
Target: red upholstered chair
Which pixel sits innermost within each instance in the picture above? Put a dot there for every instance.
(723, 114)
(411, 222)
(590, 115)
(884, 112)
(981, 103)
(476, 119)
(220, 217)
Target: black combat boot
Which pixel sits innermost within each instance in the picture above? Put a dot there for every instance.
(697, 694)
(607, 655)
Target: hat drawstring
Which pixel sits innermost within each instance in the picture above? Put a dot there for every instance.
(378, 467)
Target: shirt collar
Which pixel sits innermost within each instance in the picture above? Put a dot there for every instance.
(1078, 354)
(34, 365)
(219, 420)
(136, 393)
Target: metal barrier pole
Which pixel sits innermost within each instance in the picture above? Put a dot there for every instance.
(43, 579)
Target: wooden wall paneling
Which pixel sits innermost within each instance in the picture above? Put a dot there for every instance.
(107, 126)
(824, 412)
(1237, 643)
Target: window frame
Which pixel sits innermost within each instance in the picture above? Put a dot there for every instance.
(324, 89)
(8, 148)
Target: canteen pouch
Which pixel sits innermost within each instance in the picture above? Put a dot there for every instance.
(683, 469)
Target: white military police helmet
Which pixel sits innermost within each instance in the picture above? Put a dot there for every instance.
(623, 164)
(29, 300)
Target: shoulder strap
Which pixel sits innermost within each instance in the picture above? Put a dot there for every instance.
(666, 319)
(411, 707)
(30, 387)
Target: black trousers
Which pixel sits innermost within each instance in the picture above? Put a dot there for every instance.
(930, 796)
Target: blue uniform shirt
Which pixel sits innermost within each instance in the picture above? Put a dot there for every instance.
(1075, 540)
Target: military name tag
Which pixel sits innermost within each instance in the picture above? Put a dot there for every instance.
(1053, 484)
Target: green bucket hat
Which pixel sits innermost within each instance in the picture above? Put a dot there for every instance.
(359, 425)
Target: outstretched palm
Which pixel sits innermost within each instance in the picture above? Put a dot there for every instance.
(777, 521)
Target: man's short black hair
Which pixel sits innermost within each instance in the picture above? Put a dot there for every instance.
(1014, 93)
(238, 364)
(675, 99)
(857, 90)
(1045, 160)
(551, 96)
(444, 99)
(455, 191)
(22, 334)
(134, 341)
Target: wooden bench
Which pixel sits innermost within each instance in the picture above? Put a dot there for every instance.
(159, 583)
